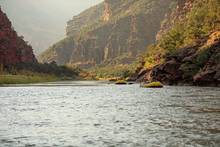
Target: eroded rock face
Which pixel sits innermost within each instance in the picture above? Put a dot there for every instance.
(168, 72)
(210, 73)
(196, 65)
(124, 27)
(176, 15)
(107, 11)
(88, 16)
(13, 49)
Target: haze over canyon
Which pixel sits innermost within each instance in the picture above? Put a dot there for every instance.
(43, 22)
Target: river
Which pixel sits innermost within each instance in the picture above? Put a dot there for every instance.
(98, 114)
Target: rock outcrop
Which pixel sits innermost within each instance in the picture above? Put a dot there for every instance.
(198, 61)
(13, 49)
(122, 27)
(196, 65)
(210, 72)
(175, 15)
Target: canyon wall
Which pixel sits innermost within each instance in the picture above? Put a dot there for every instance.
(13, 48)
(111, 29)
(188, 46)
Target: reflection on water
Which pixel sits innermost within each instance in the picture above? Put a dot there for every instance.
(82, 114)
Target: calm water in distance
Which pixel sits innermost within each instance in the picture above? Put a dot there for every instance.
(97, 114)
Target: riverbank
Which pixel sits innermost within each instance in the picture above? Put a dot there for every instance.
(28, 73)
(27, 79)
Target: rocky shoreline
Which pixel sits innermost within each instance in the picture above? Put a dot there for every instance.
(196, 65)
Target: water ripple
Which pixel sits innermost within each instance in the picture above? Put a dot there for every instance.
(91, 114)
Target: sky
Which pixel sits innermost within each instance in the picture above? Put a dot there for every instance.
(43, 22)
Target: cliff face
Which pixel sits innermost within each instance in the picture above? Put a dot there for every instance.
(13, 49)
(175, 15)
(122, 27)
(59, 52)
(107, 11)
(196, 65)
(188, 47)
(85, 18)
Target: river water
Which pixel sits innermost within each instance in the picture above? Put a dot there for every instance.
(97, 114)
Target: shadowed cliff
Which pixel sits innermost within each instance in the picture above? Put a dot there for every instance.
(13, 48)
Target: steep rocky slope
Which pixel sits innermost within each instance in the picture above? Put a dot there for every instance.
(85, 18)
(188, 48)
(109, 30)
(177, 14)
(13, 49)
(199, 65)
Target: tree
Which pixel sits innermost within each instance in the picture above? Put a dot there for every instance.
(1, 68)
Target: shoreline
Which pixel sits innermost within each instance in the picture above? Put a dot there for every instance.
(9, 80)
(26, 79)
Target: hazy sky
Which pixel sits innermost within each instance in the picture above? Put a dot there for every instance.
(43, 22)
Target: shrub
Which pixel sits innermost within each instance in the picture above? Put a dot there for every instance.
(197, 24)
(25, 79)
(203, 57)
(153, 85)
(121, 82)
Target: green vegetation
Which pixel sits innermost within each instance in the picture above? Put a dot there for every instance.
(25, 73)
(1, 69)
(51, 69)
(153, 85)
(118, 68)
(198, 23)
(154, 56)
(110, 71)
(195, 26)
(26, 79)
(121, 82)
(202, 57)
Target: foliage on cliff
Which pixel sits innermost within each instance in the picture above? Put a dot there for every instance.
(198, 23)
(189, 50)
(110, 71)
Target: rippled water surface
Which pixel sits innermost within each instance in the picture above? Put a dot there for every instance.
(82, 114)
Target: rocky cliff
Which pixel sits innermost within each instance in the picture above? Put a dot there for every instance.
(175, 15)
(188, 47)
(197, 65)
(109, 30)
(13, 49)
(85, 18)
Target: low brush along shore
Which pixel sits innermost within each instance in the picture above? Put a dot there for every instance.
(27, 79)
